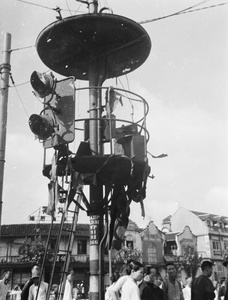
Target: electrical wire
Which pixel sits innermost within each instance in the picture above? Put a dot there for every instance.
(18, 95)
(17, 49)
(176, 13)
(50, 8)
(184, 11)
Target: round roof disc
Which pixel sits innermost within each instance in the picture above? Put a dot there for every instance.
(118, 44)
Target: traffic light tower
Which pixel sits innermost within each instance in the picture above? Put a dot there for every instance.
(95, 47)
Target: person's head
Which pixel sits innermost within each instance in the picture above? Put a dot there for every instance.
(153, 271)
(115, 276)
(55, 287)
(188, 281)
(35, 270)
(137, 270)
(6, 275)
(125, 270)
(71, 272)
(70, 275)
(157, 280)
(207, 267)
(171, 270)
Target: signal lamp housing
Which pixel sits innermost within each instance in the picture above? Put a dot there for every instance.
(42, 84)
(41, 125)
(55, 124)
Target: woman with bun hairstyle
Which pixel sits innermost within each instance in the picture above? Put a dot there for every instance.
(130, 290)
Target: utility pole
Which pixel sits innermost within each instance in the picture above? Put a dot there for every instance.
(96, 192)
(4, 88)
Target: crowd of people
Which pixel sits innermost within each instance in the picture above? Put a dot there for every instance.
(37, 289)
(132, 282)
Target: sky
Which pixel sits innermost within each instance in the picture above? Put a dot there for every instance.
(184, 81)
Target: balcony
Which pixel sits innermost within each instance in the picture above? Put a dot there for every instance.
(82, 258)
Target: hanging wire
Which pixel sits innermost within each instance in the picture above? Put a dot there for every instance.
(11, 77)
(16, 49)
(50, 8)
(184, 11)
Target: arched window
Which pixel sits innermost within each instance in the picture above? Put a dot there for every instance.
(152, 254)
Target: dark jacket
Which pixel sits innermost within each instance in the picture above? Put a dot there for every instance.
(157, 293)
(145, 291)
(25, 290)
(202, 289)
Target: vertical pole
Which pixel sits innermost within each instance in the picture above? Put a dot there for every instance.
(93, 5)
(4, 88)
(96, 193)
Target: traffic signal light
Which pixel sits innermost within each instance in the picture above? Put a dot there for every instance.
(55, 124)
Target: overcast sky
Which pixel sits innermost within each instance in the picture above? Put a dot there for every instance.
(184, 81)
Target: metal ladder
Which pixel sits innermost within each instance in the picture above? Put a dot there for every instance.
(68, 250)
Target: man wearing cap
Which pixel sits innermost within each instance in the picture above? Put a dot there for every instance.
(202, 286)
(225, 264)
(35, 272)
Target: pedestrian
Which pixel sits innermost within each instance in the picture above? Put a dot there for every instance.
(130, 290)
(225, 264)
(154, 284)
(145, 291)
(222, 289)
(75, 292)
(16, 292)
(4, 285)
(68, 291)
(35, 272)
(171, 286)
(38, 290)
(115, 291)
(187, 289)
(202, 286)
(54, 292)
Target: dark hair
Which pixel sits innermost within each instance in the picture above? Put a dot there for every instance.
(70, 270)
(135, 265)
(158, 276)
(206, 264)
(6, 270)
(115, 276)
(170, 264)
(125, 269)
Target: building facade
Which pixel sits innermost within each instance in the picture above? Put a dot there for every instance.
(210, 230)
(206, 233)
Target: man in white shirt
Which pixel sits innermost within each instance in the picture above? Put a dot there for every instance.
(68, 291)
(41, 289)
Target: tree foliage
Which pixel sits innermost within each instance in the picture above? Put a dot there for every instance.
(126, 254)
(33, 250)
(189, 260)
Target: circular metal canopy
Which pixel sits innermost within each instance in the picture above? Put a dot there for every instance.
(117, 44)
